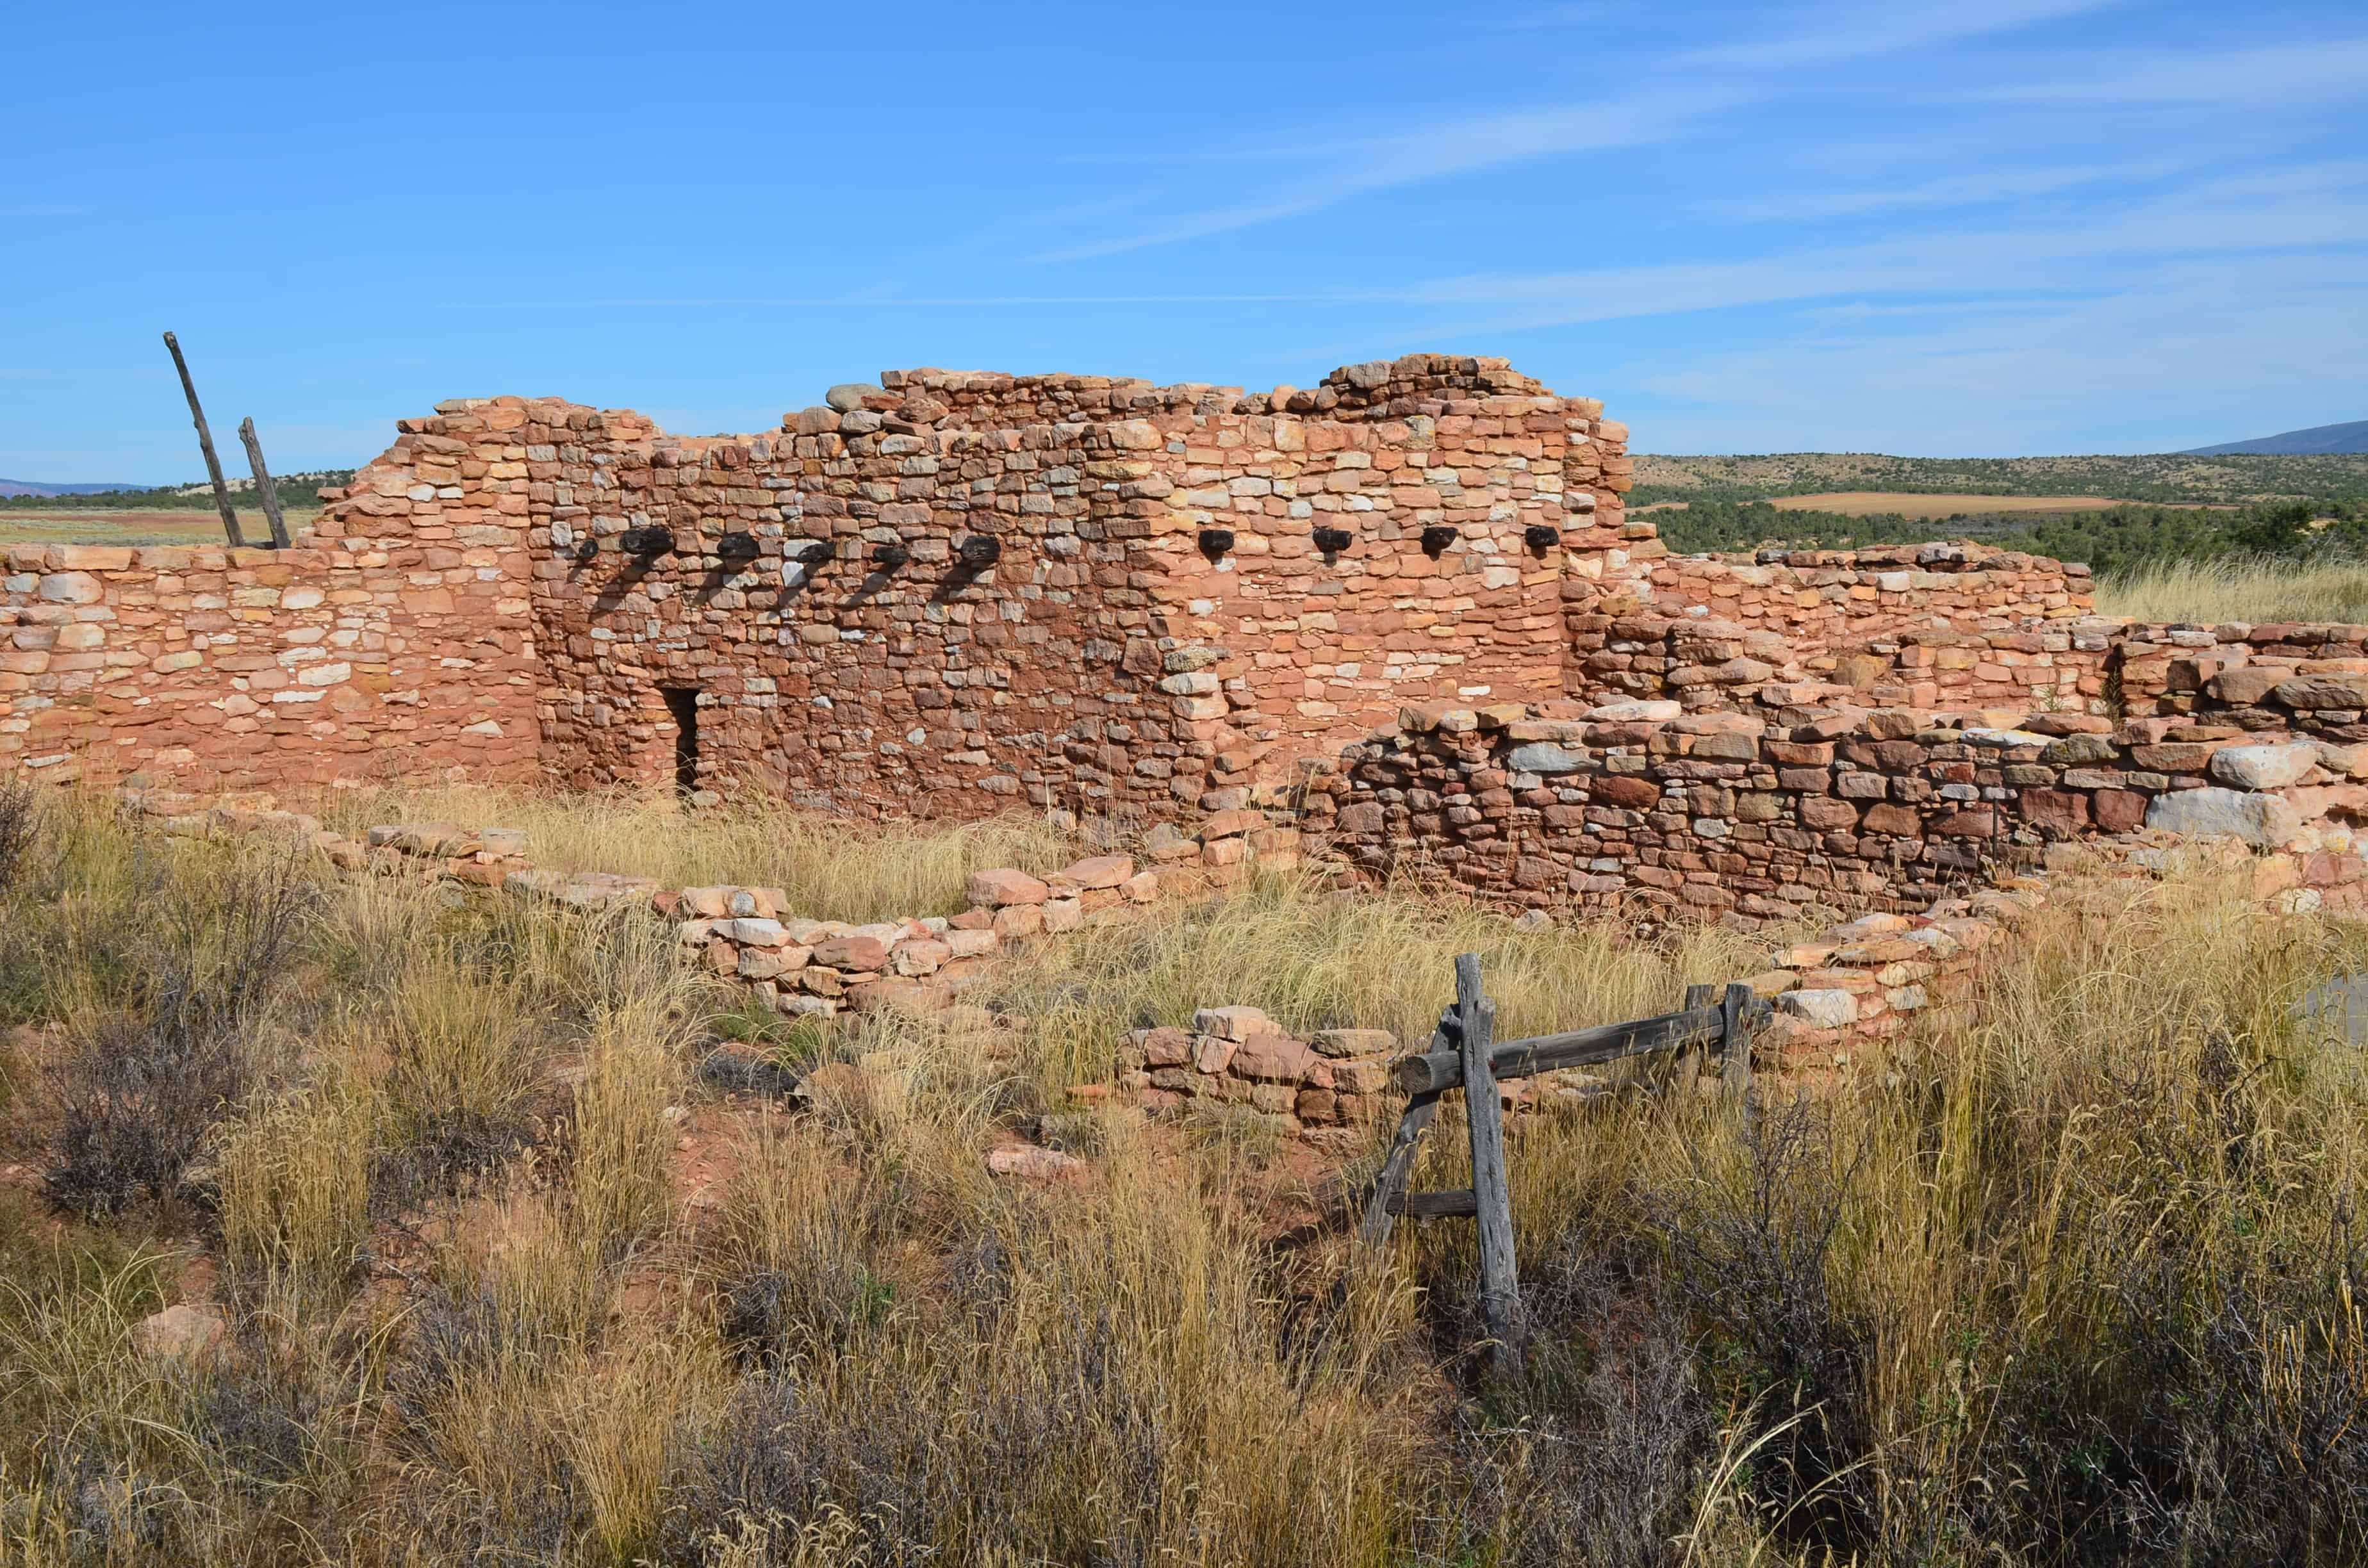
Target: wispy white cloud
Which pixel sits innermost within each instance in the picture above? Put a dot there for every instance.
(1841, 34)
(2282, 75)
(2161, 353)
(1975, 188)
(1676, 95)
(1440, 150)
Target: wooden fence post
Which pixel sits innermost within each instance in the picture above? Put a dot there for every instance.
(1735, 1012)
(1691, 1062)
(206, 444)
(266, 491)
(1463, 1051)
(1501, 1279)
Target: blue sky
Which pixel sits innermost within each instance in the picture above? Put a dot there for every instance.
(2028, 226)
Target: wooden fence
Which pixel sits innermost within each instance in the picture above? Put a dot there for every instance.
(1465, 1054)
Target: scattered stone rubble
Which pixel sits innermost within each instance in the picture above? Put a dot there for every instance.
(1239, 1056)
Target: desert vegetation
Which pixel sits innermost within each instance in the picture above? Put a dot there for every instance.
(830, 867)
(2250, 589)
(494, 1270)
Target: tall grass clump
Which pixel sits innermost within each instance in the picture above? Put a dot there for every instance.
(1314, 958)
(158, 1058)
(2238, 589)
(831, 868)
(293, 1180)
(2075, 1284)
(1104, 1376)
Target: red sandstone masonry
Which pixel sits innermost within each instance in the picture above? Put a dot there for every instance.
(1721, 815)
(842, 650)
(380, 660)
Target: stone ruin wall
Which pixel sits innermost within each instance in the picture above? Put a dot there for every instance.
(1104, 661)
(396, 655)
(1536, 701)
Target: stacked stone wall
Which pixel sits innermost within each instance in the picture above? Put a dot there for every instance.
(1725, 815)
(1794, 627)
(372, 659)
(952, 593)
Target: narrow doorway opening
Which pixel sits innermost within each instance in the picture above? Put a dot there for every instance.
(682, 703)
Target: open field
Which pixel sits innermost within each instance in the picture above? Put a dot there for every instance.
(155, 526)
(1911, 504)
(504, 1278)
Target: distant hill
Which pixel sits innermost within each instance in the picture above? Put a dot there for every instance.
(2159, 479)
(31, 487)
(297, 491)
(2318, 439)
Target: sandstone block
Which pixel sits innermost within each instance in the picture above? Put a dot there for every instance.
(919, 956)
(1649, 711)
(2263, 821)
(2263, 768)
(971, 944)
(1100, 871)
(1026, 1162)
(1544, 757)
(859, 955)
(1626, 789)
(1235, 1023)
(1824, 1009)
(2333, 690)
(1338, 1043)
(1274, 1058)
(1005, 887)
(2245, 686)
(1019, 920)
(1166, 1047)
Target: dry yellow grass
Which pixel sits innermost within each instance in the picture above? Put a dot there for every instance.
(2217, 592)
(66, 526)
(2075, 1283)
(831, 868)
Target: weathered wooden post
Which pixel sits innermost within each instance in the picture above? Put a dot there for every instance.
(1737, 1013)
(1464, 1051)
(1492, 1190)
(206, 444)
(266, 491)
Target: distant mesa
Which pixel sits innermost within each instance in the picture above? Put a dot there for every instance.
(33, 487)
(2320, 440)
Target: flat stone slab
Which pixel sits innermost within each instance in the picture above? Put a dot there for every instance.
(2336, 1010)
(2262, 820)
(2263, 768)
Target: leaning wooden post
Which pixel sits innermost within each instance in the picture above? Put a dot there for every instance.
(1492, 1192)
(267, 491)
(1397, 1165)
(206, 444)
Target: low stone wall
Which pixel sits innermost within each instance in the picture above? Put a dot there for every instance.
(1830, 603)
(1239, 1056)
(2311, 677)
(231, 668)
(1635, 807)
